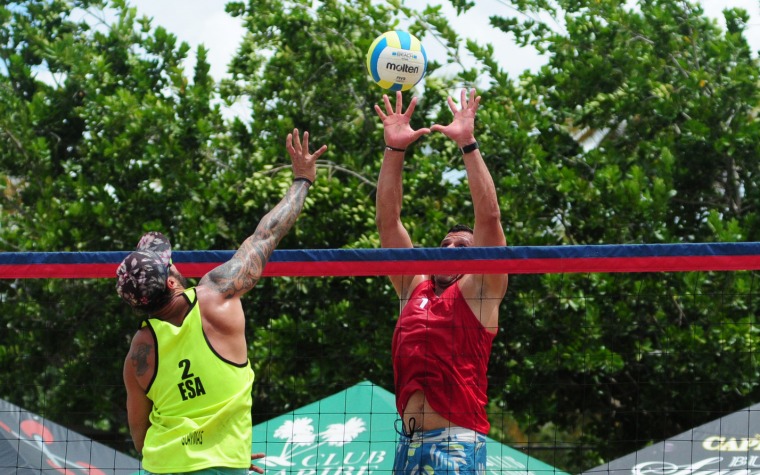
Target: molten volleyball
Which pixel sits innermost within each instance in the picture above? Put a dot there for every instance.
(396, 60)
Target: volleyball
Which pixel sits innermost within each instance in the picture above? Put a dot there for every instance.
(396, 60)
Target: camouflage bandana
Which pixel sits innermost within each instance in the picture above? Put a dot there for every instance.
(141, 276)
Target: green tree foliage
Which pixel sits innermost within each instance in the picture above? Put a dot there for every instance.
(102, 137)
(641, 128)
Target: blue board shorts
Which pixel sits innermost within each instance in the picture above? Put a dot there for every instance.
(449, 451)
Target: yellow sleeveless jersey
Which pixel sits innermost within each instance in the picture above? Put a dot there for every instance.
(201, 414)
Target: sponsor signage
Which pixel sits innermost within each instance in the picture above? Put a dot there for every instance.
(353, 433)
(33, 445)
(726, 446)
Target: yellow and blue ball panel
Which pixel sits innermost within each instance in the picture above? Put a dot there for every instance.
(394, 39)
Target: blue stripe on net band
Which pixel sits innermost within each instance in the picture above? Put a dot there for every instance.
(368, 262)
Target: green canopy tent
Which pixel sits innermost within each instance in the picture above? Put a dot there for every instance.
(352, 433)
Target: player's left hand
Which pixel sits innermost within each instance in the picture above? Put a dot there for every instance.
(462, 127)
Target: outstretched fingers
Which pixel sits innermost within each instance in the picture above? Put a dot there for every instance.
(419, 133)
(397, 130)
(289, 145)
(467, 103)
(380, 112)
(319, 152)
(305, 142)
(474, 101)
(303, 162)
(298, 147)
(388, 106)
(410, 109)
(293, 142)
(452, 105)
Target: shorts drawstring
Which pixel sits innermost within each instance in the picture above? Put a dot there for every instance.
(412, 423)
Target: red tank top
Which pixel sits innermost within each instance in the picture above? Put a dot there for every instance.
(441, 348)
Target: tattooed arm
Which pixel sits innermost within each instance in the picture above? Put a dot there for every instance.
(241, 273)
(138, 371)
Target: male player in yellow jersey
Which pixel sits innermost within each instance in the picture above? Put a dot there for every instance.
(187, 373)
(442, 342)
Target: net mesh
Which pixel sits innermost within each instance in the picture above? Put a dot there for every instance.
(586, 369)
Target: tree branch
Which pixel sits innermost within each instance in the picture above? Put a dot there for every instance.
(330, 166)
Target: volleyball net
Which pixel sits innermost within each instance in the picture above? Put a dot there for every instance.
(602, 352)
(376, 262)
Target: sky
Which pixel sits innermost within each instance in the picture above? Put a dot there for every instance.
(205, 22)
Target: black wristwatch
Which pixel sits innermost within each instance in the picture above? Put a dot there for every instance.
(469, 148)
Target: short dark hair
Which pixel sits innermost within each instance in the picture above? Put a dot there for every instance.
(459, 228)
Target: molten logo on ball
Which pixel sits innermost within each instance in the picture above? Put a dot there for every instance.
(396, 60)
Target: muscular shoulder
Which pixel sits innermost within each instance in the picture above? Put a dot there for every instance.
(142, 340)
(219, 311)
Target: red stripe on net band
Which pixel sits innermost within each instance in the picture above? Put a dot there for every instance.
(411, 267)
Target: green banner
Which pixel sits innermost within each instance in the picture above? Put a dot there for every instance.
(353, 433)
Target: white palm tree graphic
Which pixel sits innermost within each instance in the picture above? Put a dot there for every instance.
(300, 433)
(339, 435)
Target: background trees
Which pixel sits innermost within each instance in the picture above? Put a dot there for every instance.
(653, 87)
(640, 129)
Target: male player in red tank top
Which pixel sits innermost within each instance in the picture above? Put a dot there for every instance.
(447, 323)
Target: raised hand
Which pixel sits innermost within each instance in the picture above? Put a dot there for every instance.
(397, 131)
(304, 163)
(462, 127)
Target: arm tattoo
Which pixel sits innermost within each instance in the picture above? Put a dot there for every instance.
(140, 358)
(241, 273)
